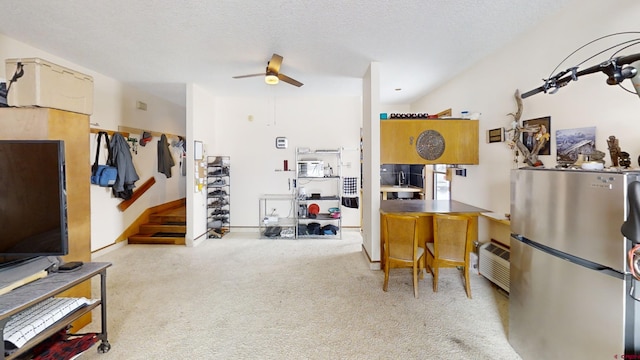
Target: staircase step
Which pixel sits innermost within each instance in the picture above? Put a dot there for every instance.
(168, 234)
(176, 215)
(152, 239)
(167, 218)
(167, 228)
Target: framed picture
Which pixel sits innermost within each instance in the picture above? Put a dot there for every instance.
(571, 142)
(495, 135)
(198, 150)
(537, 134)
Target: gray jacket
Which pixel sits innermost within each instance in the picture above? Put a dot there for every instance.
(127, 175)
(165, 160)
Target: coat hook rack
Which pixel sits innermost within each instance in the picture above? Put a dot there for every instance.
(134, 144)
(137, 131)
(110, 132)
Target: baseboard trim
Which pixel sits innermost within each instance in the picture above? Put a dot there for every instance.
(107, 249)
(373, 265)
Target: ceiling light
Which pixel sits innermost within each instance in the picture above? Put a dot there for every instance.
(271, 79)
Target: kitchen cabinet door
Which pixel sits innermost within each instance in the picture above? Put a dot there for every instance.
(448, 141)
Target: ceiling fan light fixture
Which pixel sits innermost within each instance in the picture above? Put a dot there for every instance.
(271, 79)
(272, 74)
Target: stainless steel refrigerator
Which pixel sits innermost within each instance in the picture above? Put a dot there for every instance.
(570, 288)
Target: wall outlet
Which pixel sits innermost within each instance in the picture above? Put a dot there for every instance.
(461, 172)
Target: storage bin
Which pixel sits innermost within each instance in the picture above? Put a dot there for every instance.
(45, 84)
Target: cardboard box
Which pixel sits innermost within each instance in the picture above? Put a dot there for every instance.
(45, 84)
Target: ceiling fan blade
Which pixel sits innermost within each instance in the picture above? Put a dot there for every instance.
(246, 76)
(274, 64)
(289, 80)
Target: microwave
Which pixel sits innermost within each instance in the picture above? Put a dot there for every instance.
(310, 168)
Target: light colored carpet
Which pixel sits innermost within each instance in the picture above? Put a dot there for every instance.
(240, 297)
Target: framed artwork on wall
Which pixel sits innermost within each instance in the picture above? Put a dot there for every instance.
(571, 142)
(537, 135)
(198, 151)
(495, 135)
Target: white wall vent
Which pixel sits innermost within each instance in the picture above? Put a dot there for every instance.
(494, 264)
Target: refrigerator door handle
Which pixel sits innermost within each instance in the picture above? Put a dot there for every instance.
(568, 257)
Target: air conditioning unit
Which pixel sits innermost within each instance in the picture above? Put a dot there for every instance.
(494, 264)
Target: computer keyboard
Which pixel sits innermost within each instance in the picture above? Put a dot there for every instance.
(28, 323)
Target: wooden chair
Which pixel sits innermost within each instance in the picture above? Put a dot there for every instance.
(450, 247)
(401, 248)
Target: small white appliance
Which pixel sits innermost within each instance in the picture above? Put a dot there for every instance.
(310, 168)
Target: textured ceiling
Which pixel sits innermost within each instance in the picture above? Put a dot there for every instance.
(159, 45)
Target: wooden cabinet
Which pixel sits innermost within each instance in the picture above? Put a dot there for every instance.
(448, 141)
(73, 128)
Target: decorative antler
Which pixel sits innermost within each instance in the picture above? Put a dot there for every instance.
(518, 114)
(515, 143)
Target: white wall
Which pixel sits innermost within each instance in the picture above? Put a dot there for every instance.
(108, 222)
(488, 87)
(245, 128)
(114, 105)
(395, 108)
(200, 127)
(371, 162)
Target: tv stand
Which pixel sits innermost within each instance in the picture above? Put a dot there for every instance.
(23, 272)
(55, 283)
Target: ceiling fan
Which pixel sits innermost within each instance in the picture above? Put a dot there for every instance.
(272, 74)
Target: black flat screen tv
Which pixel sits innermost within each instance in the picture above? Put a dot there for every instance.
(33, 200)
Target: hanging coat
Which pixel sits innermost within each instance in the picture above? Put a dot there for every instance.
(127, 175)
(165, 160)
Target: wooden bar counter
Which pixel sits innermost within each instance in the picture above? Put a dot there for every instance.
(425, 209)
